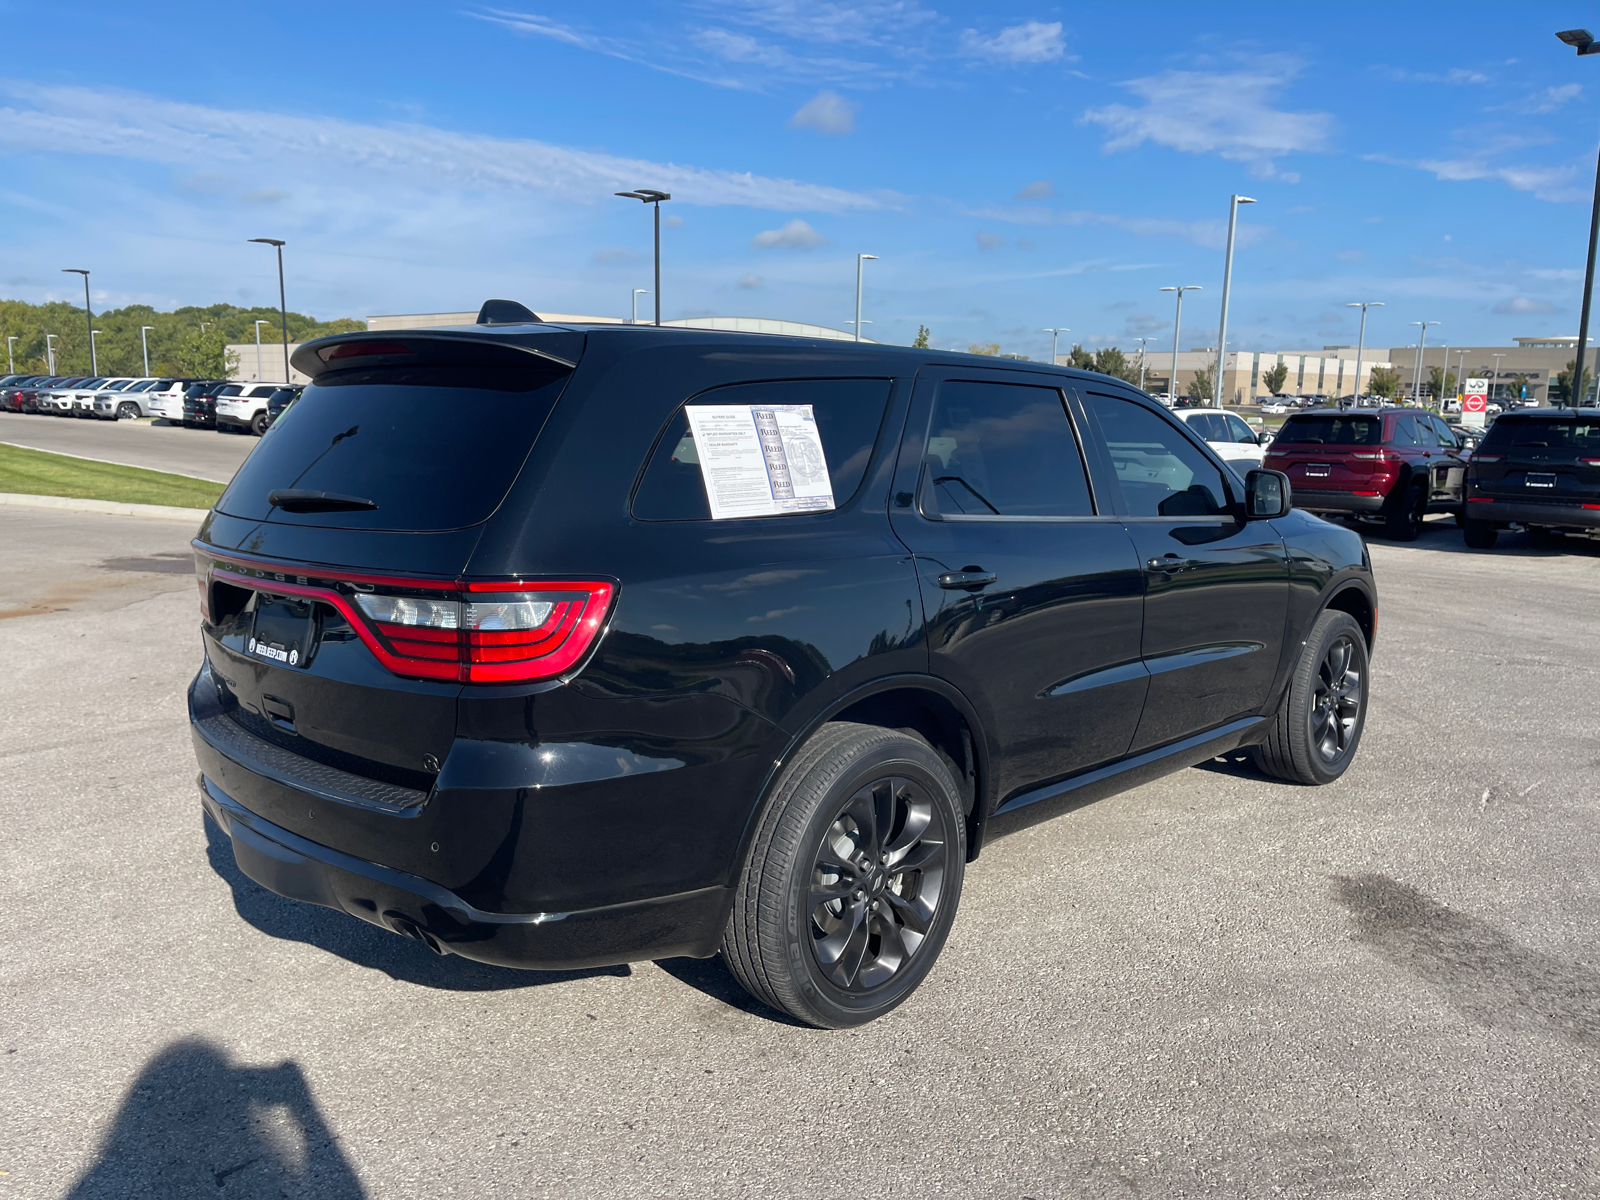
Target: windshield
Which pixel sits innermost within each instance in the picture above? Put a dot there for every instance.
(1343, 429)
(431, 447)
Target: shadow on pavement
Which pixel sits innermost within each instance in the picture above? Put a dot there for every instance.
(195, 1124)
(364, 944)
(1443, 536)
(712, 977)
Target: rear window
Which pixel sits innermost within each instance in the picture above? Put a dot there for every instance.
(1552, 438)
(848, 414)
(433, 447)
(1328, 429)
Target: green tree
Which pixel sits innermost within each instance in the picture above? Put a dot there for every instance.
(1385, 382)
(1200, 387)
(991, 349)
(1112, 361)
(1275, 377)
(1441, 382)
(1561, 383)
(1080, 358)
(923, 334)
(205, 353)
(1515, 387)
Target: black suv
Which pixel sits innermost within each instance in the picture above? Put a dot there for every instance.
(553, 646)
(200, 403)
(1537, 468)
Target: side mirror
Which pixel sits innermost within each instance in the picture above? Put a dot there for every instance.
(1264, 438)
(1266, 494)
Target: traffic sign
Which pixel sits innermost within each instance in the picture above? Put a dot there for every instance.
(1475, 403)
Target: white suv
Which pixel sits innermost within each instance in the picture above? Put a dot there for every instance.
(247, 410)
(1234, 442)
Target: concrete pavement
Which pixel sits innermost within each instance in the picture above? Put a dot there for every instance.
(1213, 985)
(157, 447)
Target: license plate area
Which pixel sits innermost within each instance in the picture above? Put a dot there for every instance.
(1536, 480)
(1316, 470)
(283, 631)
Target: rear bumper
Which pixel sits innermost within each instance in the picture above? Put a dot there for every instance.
(1315, 501)
(1516, 512)
(292, 866)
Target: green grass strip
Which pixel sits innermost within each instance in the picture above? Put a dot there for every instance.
(39, 473)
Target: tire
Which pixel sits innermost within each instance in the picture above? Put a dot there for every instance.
(1461, 519)
(128, 411)
(1403, 522)
(258, 424)
(1480, 535)
(858, 951)
(1311, 740)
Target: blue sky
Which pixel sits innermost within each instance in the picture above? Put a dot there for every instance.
(1014, 167)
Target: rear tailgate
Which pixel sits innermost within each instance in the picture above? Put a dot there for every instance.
(1544, 459)
(1333, 452)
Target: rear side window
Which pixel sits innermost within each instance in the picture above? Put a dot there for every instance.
(433, 447)
(1331, 430)
(1554, 439)
(1161, 473)
(848, 412)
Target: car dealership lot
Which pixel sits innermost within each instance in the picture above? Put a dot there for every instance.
(156, 447)
(1212, 984)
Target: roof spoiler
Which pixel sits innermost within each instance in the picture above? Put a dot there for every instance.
(507, 312)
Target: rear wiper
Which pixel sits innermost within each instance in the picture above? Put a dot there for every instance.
(299, 500)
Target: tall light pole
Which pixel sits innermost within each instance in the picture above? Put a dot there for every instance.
(1361, 341)
(1422, 350)
(1461, 372)
(94, 363)
(861, 260)
(144, 345)
(651, 196)
(1443, 371)
(283, 307)
(1227, 281)
(50, 352)
(1583, 42)
(1055, 341)
(11, 364)
(1496, 383)
(1177, 324)
(637, 292)
(1141, 342)
(259, 324)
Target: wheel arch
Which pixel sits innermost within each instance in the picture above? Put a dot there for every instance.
(1354, 600)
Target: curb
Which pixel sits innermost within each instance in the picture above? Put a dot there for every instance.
(160, 512)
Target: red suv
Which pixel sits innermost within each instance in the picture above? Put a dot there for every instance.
(1393, 464)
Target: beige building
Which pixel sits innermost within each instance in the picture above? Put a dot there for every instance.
(1537, 360)
(1330, 371)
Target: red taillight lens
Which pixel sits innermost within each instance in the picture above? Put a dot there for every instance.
(1387, 456)
(1590, 462)
(1480, 499)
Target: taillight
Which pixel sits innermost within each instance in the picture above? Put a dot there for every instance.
(1387, 456)
(1590, 462)
(470, 631)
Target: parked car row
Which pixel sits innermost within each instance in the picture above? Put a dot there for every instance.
(194, 403)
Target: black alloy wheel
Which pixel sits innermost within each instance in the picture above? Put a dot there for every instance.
(258, 424)
(1313, 737)
(127, 411)
(853, 879)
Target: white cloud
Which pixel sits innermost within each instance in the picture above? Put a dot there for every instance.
(1030, 42)
(826, 112)
(869, 23)
(1555, 184)
(1549, 100)
(130, 126)
(616, 254)
(673, 222)
(749, 282)
(1039, 189)
(1211, 234)
(1454, 76)
(1522, 306)
(990, 241)
(794, 235)
(1230, 115)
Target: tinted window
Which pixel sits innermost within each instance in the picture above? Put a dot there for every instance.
(997, 449)
(433, 447)
(848, 413)
(1553, 439)
(1342, 430)
(1161, 473)
(1404, 430)
(1208, 427)
(1238, 431)
(1444, 433)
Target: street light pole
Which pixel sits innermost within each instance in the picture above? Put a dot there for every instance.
(651, 196)
(1055, 341)
(50, 352)
(259, 372)
(1583, 42)
(1141, 342)
(637, 292)
(1227, 282)
(1443, 371)
(283, 308)
(861, 260)
(1361, 341)
(11, 364)
(94, 363)
(1461, 372)
(1177, 324)
(1422, 351)
(1496, 383)
(144, 345)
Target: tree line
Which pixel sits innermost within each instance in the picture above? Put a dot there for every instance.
(189, 341)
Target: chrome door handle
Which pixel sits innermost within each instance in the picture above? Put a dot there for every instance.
(1171, 564)
(970, 580)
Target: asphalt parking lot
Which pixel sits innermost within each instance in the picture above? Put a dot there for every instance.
(154, 445)
(1214, 985)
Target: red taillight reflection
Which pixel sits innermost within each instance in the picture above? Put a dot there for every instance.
(363, 350)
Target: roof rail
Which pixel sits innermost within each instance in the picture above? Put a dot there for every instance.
(506, 312)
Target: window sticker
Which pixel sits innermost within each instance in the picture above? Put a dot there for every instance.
(759, 460)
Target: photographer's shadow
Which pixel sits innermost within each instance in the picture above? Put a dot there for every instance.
(195, 1124)
(364, 944)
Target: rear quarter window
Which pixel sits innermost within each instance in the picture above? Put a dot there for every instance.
(849, 413)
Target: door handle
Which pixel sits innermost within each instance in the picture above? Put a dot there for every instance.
(967, 579)
(1171, 564)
